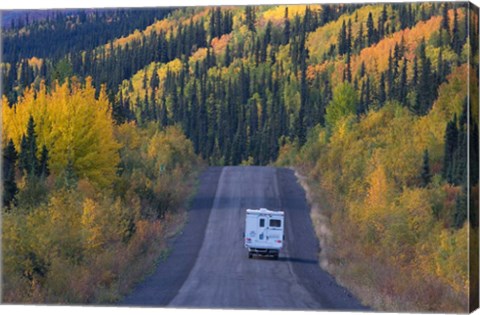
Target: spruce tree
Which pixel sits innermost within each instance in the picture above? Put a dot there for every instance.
(359, 41)
(473, 153)
(370, 30)
(456, 43)
(382, 96)
(163, 113)
(381, 26)
(402, 89)
(348, 71)
(460, 214)
(154, 80)
(286, 29)
(445, 20)
(23, 156)
(342, 39)
(451, 138)
(144, 81)
(211, 25)
(300, 124)
(426, 176)
(28, 162)
(367, 98)
(415, 73)
(325, 14)
(390, 77)
(460, 175)
(44, 170)
(218, 21)
(348, 43)
(425, 94)
(10, 188)
(250, 18)
(361, 101)
(227, 57)
(362, 69)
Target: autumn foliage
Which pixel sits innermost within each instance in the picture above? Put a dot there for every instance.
(90, 240)
(75, 127)
(368, 173)
(102, 132)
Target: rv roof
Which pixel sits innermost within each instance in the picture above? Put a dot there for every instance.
(264, 211)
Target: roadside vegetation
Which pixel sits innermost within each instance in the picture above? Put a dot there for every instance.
(389, 196)
(88, 214)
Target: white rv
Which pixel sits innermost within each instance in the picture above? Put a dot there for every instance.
(264, 232)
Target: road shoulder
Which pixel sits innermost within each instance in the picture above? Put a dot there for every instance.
(162, 286)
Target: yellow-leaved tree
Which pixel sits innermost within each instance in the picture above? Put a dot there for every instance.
(74, 125)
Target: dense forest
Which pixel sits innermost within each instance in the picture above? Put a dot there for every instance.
(373, 103)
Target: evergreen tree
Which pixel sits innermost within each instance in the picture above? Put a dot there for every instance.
(348, 71)
(359, 41)
(456, 43)
(425, 93)
(342, 39)
(302, 115)
(348, 44)
(28, 155)
(154, 80)
(390, 77)
(227, 57)
(445, 20)
(10, 188)
(362, 70)
(144, 81)
(361, 101)
(381, 23)
(163, 113)
(326, 14)
(473, 153)
(426, 176)
(218, 22)
(460, 214)
(440, 72)
(370, 30)
(286, 29)
(415, 73)
(44, 170)
(451, 138)
(382, 96)
(250, 18)
(403, 86)
(367, 98)
(211, 26)
(23, 156)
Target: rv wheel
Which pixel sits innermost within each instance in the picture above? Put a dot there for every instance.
(250, 255)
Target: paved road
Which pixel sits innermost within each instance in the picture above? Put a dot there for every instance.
(209, 267)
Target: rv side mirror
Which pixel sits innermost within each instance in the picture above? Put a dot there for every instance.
(243, 234)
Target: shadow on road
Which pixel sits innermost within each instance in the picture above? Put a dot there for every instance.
(299, 260)
(289, 259)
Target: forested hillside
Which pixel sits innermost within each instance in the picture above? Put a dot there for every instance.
(370, 102)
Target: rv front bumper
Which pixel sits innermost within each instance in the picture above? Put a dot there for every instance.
(263, 251)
